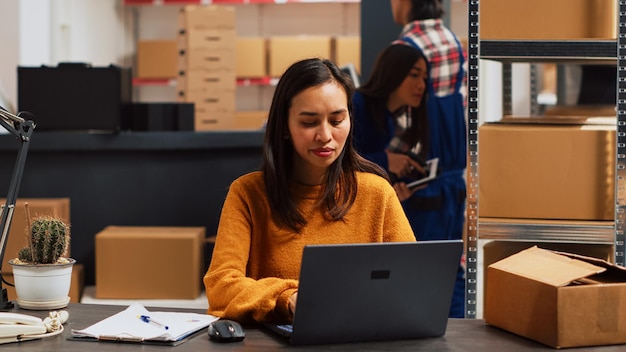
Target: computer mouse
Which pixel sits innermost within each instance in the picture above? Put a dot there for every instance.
(224, 330)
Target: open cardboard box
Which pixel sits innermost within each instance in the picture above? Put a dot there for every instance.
(558, 299)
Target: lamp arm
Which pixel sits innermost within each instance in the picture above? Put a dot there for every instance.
(22, 129)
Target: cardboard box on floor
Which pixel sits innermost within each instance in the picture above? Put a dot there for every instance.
(76, 287)
(137, 262)
(38, 206)
(558, 299)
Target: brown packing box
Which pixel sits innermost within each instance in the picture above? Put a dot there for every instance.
(208, 80)
(214, 120)
(59, 207)
(157, 59)
(285, 50)
(558, 299)
(547, 171)
(210, 40)
(581, 111)
(250, 120)
(201, 59)
(207, 17)
(251, 57)
(135, 262)
(209, 100)
(548, 19)
(348, 50)
(494, 251)
(76, 287)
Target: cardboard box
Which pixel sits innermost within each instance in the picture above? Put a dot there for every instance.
(135, 262)
(209, 100)
(582, 111)
(210, 39)
(214, 120)
(251, 55)
(285, 50)
(206, 59)
(250, 120)
(211, 80)
(558, 299)
(548, 19)
(157, 59)
(206, 17)
(59, 207)
(494, 251)
(77, 284)
(348, 50)
(547, 171)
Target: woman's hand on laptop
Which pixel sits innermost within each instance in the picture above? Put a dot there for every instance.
(292, 303)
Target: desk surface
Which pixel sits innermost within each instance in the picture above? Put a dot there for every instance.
(461, 335)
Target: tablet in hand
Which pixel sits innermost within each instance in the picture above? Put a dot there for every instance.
(431, 169)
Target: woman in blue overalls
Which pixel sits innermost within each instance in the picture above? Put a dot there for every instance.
(441, 205)
(437, 211)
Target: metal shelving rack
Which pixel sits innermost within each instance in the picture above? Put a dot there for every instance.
(531, 51)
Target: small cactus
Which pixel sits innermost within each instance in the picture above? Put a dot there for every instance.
(48, 241)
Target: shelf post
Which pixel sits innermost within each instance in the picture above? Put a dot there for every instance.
(471, 259)
(620, 158)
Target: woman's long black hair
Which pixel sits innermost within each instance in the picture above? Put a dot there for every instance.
(392, 66)
(425, 9)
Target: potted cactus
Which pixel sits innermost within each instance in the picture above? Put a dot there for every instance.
(41, 271)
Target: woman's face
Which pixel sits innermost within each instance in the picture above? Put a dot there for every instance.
(319, 125)
(413, 87)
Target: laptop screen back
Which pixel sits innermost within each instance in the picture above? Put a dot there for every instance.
(375, 291)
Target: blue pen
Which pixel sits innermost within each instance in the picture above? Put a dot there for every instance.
(147, 319)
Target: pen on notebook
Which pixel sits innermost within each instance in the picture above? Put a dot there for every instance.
(147, 319)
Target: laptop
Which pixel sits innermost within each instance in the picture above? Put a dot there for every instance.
(373, 292)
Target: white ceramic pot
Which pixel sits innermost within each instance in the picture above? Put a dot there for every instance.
(42, 286)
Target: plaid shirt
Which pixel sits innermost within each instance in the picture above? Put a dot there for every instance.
(441, 49)
(403, 120)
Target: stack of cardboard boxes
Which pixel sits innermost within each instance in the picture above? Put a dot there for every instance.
(204, 55)
(554, 171)
(206, 64)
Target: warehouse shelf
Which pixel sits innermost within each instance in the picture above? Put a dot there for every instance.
(548, 50)
(587, 232)
(242, 82)
(579, 51)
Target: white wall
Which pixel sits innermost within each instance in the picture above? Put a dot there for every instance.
(46, 32)
(9, 57)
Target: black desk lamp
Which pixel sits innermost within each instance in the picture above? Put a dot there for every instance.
(22, 129)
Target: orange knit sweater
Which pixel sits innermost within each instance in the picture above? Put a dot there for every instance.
(255, 265)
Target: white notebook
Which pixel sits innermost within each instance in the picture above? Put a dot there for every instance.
(137, 324)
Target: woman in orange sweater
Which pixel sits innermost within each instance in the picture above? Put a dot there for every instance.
(313, 188)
